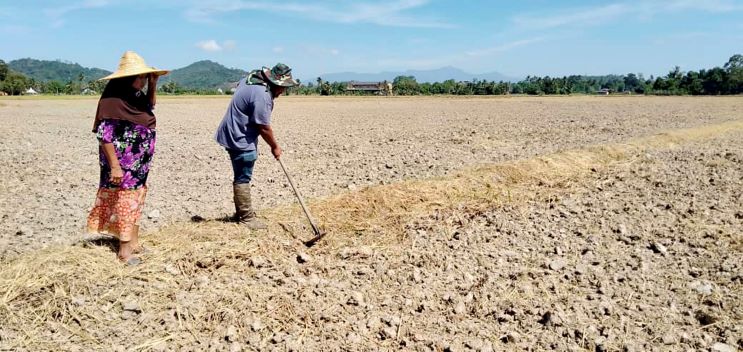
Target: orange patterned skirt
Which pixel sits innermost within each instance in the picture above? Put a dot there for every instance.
(116, 212)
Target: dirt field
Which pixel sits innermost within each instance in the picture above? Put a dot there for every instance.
(583, 223)
(332, 145)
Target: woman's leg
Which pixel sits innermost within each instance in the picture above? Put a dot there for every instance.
(131, 246)
(135, 239)
(126, 251)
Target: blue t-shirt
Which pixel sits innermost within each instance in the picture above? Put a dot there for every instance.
(251, 105)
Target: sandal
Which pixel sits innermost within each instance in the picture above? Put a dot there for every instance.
(132, 261)
(142, 250)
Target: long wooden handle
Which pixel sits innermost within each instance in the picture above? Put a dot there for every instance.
(299, 197)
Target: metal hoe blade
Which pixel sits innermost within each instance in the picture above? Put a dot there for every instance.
(318, 234)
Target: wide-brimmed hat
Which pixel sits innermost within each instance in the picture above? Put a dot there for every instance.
(131, 64)
(280, 75)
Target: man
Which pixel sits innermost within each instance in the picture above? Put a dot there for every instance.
(249, 116)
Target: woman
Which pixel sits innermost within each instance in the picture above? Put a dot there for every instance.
(125, 128)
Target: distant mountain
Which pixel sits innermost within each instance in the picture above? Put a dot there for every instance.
(211, 75)
(436, 75)
(204, 75)
(45, 70)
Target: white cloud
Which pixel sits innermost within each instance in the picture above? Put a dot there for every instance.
(503, 47)
(229, 44)
(383, 13)
(14, 29)
(607, 13)
(58, 12)
(319, 51)
(213, 45)
(6, 12)
(209, 45)
(58, 23)
(706, 5)
(420, 64)
(682, 38)
(278, 49)
(420, 41)
(582, 17)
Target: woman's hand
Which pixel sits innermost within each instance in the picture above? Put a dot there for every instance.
(152, 89)
(116, 175)
(152, 79)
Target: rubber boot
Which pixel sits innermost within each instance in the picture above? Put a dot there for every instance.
(244, 213)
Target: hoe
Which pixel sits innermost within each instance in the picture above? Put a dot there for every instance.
(318, 234)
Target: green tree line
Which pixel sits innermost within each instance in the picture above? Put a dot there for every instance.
(716, 81)
(724, 80)
(15, 83)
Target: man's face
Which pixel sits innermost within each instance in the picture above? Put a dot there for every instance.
(277, 90)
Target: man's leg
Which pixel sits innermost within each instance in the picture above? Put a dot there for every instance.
(242, 166)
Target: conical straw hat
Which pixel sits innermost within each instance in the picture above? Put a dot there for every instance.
(131, 64)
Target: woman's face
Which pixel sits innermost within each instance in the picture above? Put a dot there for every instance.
(140, 82)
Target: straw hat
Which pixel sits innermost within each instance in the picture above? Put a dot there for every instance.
(131, 64)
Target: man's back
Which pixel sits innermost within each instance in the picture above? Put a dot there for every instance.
(250, 105)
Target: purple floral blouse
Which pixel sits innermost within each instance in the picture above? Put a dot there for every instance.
(135, 147)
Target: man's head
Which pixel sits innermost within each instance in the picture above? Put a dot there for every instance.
(276, 91)
(280, 75)
(278, 78)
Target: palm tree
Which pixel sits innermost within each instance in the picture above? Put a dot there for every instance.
(80, 79)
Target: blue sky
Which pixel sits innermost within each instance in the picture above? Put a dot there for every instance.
(516, 38)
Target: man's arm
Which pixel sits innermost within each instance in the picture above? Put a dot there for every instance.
(267, 133)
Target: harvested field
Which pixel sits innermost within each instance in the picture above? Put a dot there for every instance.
(332, 145)
(469, 224)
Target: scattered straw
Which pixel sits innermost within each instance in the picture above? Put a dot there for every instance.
(202, 281)
(378, 214)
